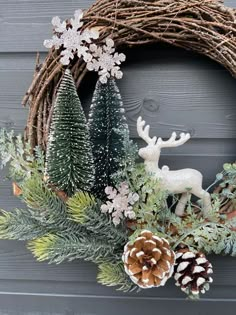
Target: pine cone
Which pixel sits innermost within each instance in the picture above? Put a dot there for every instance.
(192, 272)
(149, 261)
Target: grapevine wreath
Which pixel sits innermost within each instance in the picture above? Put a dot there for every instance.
(86, 194)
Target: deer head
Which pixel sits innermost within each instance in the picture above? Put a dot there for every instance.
(151, 152)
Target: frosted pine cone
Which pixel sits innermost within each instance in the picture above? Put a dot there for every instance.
(149, 261)
(192, 272)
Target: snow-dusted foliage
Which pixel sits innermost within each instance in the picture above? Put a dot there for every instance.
(106, 61)
(120, 203)
(73, 40)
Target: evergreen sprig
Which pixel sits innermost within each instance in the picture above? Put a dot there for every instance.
(45, 206)
(17, 154)
(79, 205)
(57, 248)
(85, 211)
(20, 225)
(113, 274)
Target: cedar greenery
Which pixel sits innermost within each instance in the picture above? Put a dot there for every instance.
(17, 155)
(69, 160)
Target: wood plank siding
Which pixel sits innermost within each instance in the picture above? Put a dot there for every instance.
(174, 90)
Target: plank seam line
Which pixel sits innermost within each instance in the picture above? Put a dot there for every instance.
(113, 297)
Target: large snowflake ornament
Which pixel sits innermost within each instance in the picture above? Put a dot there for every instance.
(106, 61)
(120, 203)
(73, 40)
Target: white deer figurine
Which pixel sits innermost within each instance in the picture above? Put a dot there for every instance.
(183, 181)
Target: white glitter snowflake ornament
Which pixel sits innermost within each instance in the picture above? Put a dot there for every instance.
(106, 61)
(120, 203)
(71, 39)
(59, 27)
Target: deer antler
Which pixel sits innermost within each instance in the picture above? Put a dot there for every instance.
(172, 142)
(144, 132)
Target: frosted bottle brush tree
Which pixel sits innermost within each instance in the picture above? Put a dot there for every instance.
(106, 121)
(69, 160)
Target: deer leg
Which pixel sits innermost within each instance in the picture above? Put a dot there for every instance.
(179, 210)
(206, 201)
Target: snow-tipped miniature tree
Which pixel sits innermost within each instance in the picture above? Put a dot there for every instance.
(69, 159)
(108, 126)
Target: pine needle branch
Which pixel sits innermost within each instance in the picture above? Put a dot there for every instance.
(78, 206)
(45, 206)
(19, 225)
(113, 274)
(57, 248)
(85, 210)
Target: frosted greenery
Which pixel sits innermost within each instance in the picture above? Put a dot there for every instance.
(228, 182)
(19, 224)
(17, 154)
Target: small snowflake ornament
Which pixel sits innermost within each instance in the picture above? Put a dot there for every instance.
(106, 61)
(120, 203)
(71, 38)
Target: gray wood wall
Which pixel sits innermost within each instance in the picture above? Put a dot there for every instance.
(173, 90)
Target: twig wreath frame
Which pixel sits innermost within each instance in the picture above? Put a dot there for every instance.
(86, 196)
(206, 27)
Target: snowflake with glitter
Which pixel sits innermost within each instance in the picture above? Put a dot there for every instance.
(106, 61)
(71, 38)
(120, 203)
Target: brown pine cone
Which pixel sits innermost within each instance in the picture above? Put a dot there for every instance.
(192, 272)
(149, 261)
